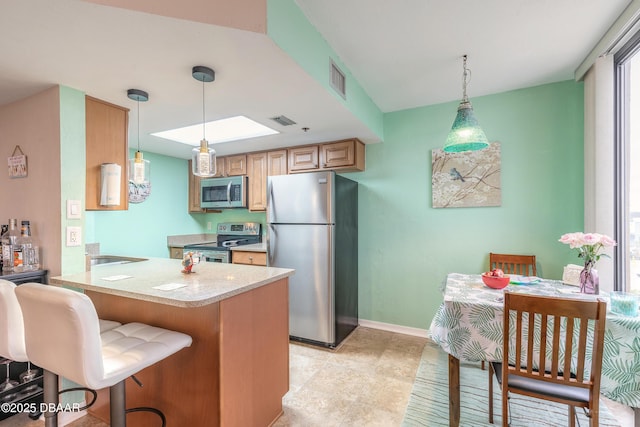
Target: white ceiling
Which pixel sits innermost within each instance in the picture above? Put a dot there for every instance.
(404, 53)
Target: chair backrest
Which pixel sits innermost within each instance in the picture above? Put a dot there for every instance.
(62, 332)
(11, 324)
(524, 265)
(574, 331)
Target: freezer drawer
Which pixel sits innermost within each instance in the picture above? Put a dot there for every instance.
(308, 249)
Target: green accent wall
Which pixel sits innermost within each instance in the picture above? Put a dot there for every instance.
(407, 247)
(143, 229)
(289, 28)
(72, 171)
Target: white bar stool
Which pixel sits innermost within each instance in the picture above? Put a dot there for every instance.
(63, 337)
(12, 343)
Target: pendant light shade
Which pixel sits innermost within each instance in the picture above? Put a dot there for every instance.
(139, 169)
(203, 158)
(466, 133)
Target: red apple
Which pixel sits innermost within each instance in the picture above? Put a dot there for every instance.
(496, 272)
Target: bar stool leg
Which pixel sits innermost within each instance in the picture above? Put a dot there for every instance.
(117, 395)
(50, 398)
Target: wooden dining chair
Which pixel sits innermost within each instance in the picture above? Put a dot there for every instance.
(555, 368)
(524, 265)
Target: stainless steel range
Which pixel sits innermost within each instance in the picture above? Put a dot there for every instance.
(229, 234)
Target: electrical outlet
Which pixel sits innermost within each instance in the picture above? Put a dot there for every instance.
(74, 236)
(209, 225)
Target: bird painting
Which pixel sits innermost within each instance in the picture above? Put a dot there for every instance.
(455, 175)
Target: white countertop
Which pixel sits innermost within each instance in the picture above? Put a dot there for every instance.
(211, 282)
(180, 241)
(256, 247)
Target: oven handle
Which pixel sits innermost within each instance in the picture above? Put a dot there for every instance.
(229, 192)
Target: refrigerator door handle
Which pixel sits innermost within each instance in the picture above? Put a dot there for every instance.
(271, 244)
(270, 207)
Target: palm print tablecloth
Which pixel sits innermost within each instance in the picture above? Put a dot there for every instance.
(468, 325)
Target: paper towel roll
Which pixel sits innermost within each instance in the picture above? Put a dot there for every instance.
(110, 178)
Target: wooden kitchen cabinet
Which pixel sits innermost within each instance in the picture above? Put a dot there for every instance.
(220, 169)
(175, 252)
(259, 167)
(303, 159)
(346, 156)
(249, 258)
(231, 166)
(106, 142)
(194, 192)
(277, 162)
(236, 165)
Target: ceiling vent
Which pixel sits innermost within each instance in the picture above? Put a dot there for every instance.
(337, 80)
(283, 120)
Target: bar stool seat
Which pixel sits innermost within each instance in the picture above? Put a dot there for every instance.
(62, 336)
(12, 344)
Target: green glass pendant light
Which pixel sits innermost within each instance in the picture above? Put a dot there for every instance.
(466, 133)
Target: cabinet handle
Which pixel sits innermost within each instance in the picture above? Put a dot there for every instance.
(251, 259)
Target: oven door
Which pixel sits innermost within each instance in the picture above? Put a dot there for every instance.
(215, 256)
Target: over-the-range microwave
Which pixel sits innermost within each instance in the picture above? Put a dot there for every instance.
(220, 193)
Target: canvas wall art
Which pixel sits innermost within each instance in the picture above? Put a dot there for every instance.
(468, 179)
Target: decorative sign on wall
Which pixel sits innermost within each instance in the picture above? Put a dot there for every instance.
(17, 163)
(467, 179)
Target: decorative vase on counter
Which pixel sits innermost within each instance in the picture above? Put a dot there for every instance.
(589, 281)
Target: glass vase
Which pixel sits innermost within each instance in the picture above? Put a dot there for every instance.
(589, 281)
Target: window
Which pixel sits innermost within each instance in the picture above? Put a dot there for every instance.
(627, 166)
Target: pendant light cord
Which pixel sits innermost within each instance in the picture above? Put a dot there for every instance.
(204, 136)
(138, 124)
(466, 77)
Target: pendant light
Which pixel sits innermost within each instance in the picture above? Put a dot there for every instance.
(203, 158)
(466, 134)
(139, 169)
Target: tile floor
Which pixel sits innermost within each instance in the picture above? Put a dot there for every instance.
(365, 382)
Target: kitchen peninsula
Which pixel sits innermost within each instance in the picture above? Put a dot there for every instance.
(237, 369)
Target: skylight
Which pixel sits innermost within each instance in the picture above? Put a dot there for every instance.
(217, 131)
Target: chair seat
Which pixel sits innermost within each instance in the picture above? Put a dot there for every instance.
(106, 325)
(555, 391)
(129, 348)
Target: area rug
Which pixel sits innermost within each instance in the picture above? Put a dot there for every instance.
(429, 401)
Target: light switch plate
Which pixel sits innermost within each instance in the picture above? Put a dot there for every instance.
(73, 209)
(74, 236)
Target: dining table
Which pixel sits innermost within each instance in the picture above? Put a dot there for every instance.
(468, 325)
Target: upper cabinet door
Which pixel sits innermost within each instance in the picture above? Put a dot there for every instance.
(303, 159)
(106, 142)
(347, 155)
(236, 165)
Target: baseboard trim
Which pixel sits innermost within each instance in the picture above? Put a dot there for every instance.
(407, 330)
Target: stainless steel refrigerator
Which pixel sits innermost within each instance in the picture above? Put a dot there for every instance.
(312, 227)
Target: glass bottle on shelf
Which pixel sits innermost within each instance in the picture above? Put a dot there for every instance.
(5, 229)
(23, 254)
(8, 243)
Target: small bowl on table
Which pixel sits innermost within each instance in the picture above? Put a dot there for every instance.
(495, 282)
(624, 303)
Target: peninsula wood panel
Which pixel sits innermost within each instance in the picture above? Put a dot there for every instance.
(236, 369)
(106, 142)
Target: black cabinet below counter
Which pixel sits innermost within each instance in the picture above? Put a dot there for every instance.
(37, 276)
